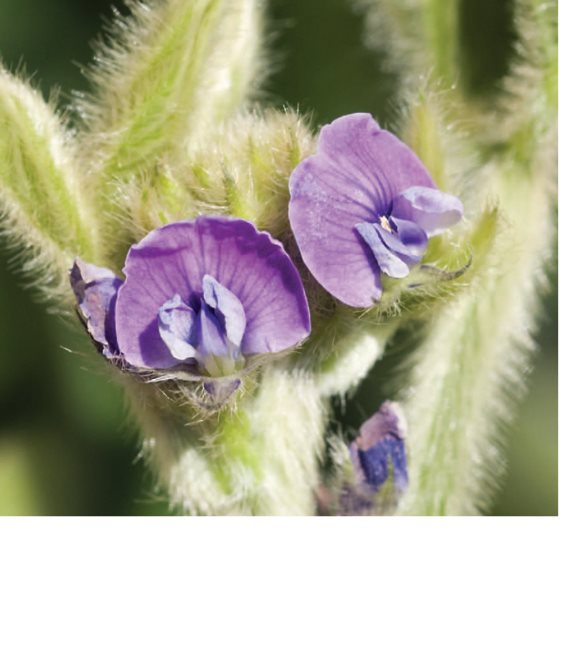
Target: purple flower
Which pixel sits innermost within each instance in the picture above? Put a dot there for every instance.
(364, 205)
(380, 443)
(201, 297)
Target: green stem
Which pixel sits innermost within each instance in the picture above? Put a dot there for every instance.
(262, 455)
(474, 358)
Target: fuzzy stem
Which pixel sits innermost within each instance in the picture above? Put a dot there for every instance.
(288, 423)
(474, 358)
(260, 457)
(290, 414)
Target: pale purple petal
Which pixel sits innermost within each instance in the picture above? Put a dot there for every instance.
(96, 290)
(211, 335)
(174, 259)
(389, 263)
(176, 324)
(388, 419)
(228, 306)
(375, 156)
(432, 209)
(412, 238)
(353, 178)
(381, 440)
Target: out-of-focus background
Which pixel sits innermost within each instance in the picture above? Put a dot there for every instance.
(66, 444)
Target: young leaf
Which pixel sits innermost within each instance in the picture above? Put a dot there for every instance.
(45, 212)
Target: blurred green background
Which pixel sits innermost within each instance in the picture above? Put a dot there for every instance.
(66, 445)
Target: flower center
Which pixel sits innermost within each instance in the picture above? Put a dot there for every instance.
(385, 224)
(210, 334)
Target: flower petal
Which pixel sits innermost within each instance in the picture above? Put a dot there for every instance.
(96, 290)
(377, 156)
(353, 178)
(228, 306)
(397, 452)
(374, 463)
(409, 240)
(211, 335)
(381, 439)
(387, 260)
(432, 209)
(174, 259)
(389, 419)
(176, 324)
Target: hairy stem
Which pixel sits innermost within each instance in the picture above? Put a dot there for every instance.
(473, 362)
(262, 455)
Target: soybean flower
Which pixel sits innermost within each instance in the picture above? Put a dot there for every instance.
(364, 205)
(199, 298)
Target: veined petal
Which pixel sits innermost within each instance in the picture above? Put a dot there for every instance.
(354, 176)
(176, 324)
(96, 290)
(174, 259)
(228, 307)
(432, 209)
(211, 335)
(389, 262)
(357, 142)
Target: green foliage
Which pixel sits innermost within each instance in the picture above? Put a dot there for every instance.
(44, 212)
(242, 169)
(165, 75)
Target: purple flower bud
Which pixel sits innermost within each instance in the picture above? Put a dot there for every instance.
(364, 205)
(96, 290)
(199, 296)
(381, 442)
